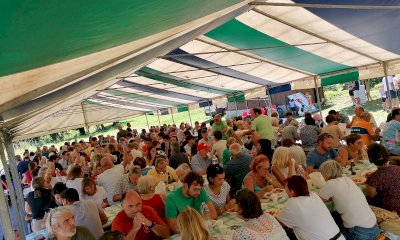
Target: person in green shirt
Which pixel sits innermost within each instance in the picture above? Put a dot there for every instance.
(220, 125)
(190, 194)
(262, 124)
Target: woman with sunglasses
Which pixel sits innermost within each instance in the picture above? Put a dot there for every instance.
(259, 180)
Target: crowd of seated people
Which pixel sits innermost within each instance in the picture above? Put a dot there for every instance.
(228, 166)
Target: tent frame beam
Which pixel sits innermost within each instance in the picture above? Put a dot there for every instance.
(26, 110)
(313, 34)
(263, 60)
(337, 6)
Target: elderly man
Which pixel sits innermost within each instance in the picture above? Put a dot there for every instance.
(323, 152)
(363, 127)
(110, 177)
(137, 221)
(127, 181)
(219, 125)
(87, 213)
(163, 172)
(237, 168)
(201, 160)
(358, 111)
(61, 225)
(190, 194)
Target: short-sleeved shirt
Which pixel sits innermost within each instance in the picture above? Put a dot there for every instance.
(237, 169)
(98, 197)
(335, 132)
(124, 185)
(309, 218)
(219, 200)
(263, 227)
(386, 180)
(169, 176)
(315, 159)
(38, 204)
(87, 214)
(262, 125)
(309, 135)
(350, 202)
(221, 128)
(124, 224)
(109, 179)
(390, 138)
(364, 129)
(199, 163)
(176, 202)
(177, 159)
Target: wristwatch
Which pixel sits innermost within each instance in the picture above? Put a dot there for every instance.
(152, 224)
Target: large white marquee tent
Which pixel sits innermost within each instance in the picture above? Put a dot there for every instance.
(68, 64)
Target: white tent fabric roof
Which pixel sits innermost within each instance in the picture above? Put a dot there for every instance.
(148, 74)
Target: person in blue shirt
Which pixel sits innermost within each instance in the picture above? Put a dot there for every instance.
(391, 133)
(323, 152)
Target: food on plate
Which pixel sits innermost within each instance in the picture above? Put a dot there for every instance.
(359, 180)
(276, 191)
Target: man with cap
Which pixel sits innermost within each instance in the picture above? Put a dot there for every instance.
(201, 160)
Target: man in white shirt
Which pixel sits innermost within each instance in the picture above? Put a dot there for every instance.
(66, 156)
(87, 213)
(219, 146)
(392, 89)
(109, 179)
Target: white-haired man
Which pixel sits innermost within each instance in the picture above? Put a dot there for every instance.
(61, 225)
(237, 168)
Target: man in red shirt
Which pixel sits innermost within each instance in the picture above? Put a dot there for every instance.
(137, 221)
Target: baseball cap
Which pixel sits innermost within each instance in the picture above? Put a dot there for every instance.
(202, 146)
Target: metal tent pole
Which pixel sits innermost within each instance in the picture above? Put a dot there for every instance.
(5, 218)
(318, 98)
(269, 97)
(85, 118)
(387, 84)
(147, 121)
(158, 116)
(236, 108)
(14, 183)
(209, 109)
(190, 117)
(172, 114)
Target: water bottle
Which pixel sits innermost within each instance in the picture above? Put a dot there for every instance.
(352, 167)
(205, 212)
